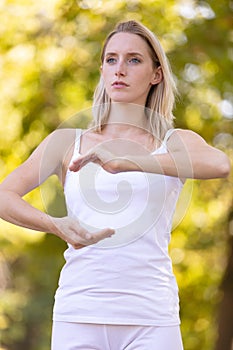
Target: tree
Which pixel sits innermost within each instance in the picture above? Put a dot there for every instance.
(225, 329)
(50, 66)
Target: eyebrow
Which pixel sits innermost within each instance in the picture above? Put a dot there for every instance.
(128, 53)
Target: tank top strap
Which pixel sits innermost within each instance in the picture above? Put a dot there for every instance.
(167, 135)
(77, 140)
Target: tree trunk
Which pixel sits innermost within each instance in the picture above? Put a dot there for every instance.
(225, 320)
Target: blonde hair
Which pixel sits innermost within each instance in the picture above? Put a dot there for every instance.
(161, 97)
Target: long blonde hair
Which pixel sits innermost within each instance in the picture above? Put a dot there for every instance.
(161, 97)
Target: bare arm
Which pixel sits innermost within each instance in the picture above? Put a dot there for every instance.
(45, 161)
(22, 180)
(189, 156)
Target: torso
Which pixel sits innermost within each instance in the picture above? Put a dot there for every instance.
(135, 141)
(131, 269)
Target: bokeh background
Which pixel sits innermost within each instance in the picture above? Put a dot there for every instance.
(49, 66)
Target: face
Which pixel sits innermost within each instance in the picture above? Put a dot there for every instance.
(127, 69)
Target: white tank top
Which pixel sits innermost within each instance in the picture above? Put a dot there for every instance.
(128, 278)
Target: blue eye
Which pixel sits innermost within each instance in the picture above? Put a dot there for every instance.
(134, 60)
(110, 60)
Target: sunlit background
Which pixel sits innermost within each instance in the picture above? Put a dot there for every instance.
(49, 66)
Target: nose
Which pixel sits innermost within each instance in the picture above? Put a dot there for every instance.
(120, 69)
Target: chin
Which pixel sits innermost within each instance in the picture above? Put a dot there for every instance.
(120, 99)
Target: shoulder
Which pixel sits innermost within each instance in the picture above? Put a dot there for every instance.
(63, 135)
(61, 139)
(184, 133)
(59, 149)
(57, 144)
(184, 137)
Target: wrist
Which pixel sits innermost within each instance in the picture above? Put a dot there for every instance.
(127, 163)
(53, 225)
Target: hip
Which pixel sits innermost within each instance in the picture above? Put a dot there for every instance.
(68, 335)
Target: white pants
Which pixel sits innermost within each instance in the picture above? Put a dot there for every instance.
(86, 336)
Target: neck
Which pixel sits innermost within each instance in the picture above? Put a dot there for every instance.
(124, 115)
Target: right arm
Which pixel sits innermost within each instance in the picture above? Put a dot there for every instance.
(46, 160)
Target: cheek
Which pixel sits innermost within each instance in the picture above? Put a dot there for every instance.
(144, 76)
(106, 83)
(106, 76)
(143, 82)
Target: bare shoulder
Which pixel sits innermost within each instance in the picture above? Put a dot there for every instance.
(54, 149)
(60, 141)
(63, 136)
(185, 138)
(185, 134)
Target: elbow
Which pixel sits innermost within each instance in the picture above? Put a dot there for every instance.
(224, 168)
(214, 169)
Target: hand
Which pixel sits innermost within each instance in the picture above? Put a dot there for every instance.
(72, 232)
(98, 155)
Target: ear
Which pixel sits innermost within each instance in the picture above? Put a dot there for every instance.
(157, 76)
(101, 68)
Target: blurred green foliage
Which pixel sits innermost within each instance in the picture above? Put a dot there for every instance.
(49, 66)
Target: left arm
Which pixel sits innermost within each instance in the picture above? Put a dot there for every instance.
(189, 156)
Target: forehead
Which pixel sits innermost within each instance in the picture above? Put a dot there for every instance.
(126, 42)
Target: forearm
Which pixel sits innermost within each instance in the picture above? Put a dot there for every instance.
(17, 211)
(157, 164)
(178, 164)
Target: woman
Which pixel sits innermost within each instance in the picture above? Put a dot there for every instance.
(121, 178)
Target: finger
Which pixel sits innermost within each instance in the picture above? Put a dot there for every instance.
(102, 234)
(86, 239)
(80, 162)
(78, 241)
(88, 157)
(83, 235)
(77, 164)
(78, 245)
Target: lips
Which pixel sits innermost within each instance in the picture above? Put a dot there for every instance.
(119, 84)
